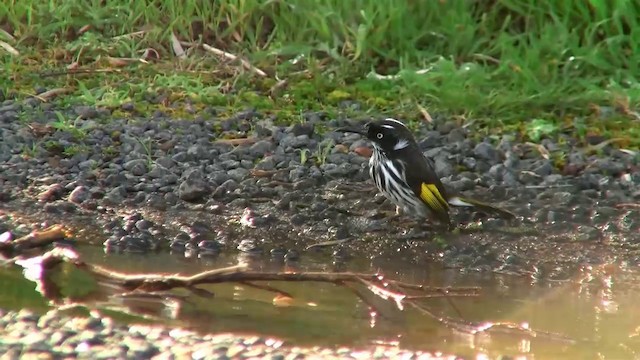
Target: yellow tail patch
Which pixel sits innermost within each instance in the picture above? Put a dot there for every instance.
(430, 194)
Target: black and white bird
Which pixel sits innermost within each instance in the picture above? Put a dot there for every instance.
(406, 176)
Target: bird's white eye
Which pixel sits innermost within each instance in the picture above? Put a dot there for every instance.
(379, 135)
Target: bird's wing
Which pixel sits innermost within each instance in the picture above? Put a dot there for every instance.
(425, 183)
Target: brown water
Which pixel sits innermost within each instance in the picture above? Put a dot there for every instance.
(601, 313)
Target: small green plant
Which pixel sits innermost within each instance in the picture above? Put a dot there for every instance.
(31, 150)
(304, 155)
(147, 146)
(323, 150)
(75, 149)
(440, 242)
(537, 128)
(66, 125)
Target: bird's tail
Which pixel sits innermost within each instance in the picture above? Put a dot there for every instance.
(460, 201)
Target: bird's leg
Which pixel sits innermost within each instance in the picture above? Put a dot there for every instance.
(399, 220)
(385, 213)
(393, 217)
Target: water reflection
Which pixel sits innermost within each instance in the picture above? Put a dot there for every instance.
(598, 308)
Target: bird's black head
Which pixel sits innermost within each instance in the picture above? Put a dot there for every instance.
(388, 135)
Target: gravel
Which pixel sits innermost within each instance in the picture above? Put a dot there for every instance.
(301, 184)
(27, 335)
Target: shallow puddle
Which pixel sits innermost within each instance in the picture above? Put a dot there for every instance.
(600, 313)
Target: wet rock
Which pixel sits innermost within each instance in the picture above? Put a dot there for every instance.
(52, 193)
(486, 151)
(180, 157)
(113, 180)
(298, 219)
(113, 244)
(193, 186)
(5, 236)
(469, 163)
(197, 152)
(562, 198)
(544, 169)
(250, 246)
(607, 166)
(143, 224)
(159, 171)
(603, 215)
(295, 142)
(630, 221)
(291, 255)
(116, 195)
(443, 167)
(498, 171)
(587, 233)
(341, 232)
(59, 207)
(456, 135)
(165, 162)
(230, 164)
(529, 178)
(209, 247)
(226, 187)
(278, 252)
(299, 129)
(463, 184)
(341, 253)
(86, 112)
(337, 171)
(238, 174)
(261, 148)
(137, 167)
(79, 195)
(266, 164)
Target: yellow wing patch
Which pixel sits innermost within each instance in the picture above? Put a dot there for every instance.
(430, 194)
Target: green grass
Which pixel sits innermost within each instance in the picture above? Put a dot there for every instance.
(508, 65)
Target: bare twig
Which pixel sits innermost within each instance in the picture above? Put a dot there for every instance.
(246, 64)
(120, 62)
(177, 47)
(50, 94)
(541, 149)
(628, 205)
(493, 327)
(275, 89)
(397, 76)
(425, 114)
(382, 289)
(268, 288)
(487, 58)
(80, 71)
(35, 239)
(8, 48)
(130, 35)
(239, 141)
(265, 173)
(7, 35)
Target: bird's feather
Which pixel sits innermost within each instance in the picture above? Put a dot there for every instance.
(430, 194)
(460, 201)
(423, 181)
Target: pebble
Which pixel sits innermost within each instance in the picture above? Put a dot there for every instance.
(79, 195)
(294, 176)
(193, 186)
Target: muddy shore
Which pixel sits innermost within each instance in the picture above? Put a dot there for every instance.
(200, 187)
(210, 185)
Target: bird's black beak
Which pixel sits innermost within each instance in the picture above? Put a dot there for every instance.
(360, 131)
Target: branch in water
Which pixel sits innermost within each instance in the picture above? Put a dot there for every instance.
(35, 239)
(373, 289)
